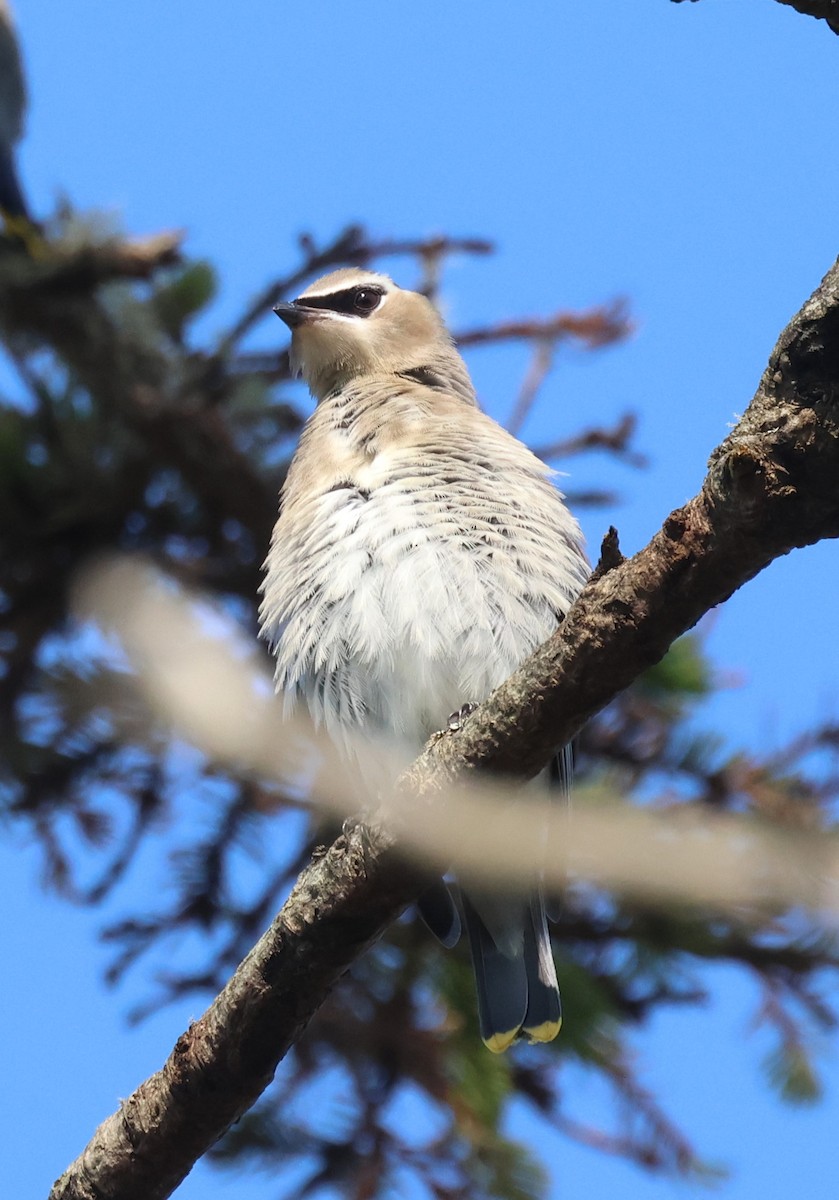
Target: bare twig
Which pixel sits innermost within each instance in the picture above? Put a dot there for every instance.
(350, 248)
(541, 362)
(596, 328)
(589, 498)
(599, 326)
(615, 440)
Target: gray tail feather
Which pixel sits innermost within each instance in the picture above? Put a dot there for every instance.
(544, 1009)
(561, 774)
(517, 993)
(500, 981)
(437, 908)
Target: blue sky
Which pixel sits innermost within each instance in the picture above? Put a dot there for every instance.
(681, 155)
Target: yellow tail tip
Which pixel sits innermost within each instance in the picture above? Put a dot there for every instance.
(546, 1032)
(499, 1042)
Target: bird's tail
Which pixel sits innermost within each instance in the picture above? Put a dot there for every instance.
(438, 910)
(515, 976)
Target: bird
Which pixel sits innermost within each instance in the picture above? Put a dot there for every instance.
(12, 110)
(421, 553)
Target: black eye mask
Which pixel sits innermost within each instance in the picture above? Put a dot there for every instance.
(354, 301)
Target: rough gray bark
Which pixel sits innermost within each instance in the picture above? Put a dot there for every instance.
(771, 486)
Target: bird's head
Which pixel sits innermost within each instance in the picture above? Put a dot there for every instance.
(354, 323)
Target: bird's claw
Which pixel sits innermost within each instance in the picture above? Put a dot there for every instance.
(456, 719)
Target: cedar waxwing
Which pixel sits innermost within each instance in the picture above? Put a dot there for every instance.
(421, 554)
(12, 109)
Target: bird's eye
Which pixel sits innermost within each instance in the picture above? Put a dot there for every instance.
(365, 300)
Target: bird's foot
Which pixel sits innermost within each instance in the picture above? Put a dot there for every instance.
(457, 719)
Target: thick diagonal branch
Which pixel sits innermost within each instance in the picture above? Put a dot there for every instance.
(771, 486)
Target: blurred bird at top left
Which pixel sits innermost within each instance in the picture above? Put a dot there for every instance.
(12, 109)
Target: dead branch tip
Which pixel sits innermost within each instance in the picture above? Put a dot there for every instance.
(610, 554)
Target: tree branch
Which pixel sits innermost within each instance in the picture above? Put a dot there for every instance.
(824, 10)
(771, 486)
(616, 441)
(600, 326)
(225, 1060)
(350, 246)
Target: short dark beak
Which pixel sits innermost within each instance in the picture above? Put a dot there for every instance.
(291, 314)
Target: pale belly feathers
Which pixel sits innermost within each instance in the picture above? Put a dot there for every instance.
(399, 596)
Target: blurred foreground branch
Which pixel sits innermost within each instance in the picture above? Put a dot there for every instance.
(216, 692)
(770, 487)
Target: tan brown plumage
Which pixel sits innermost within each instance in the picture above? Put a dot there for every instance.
(420, 555)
